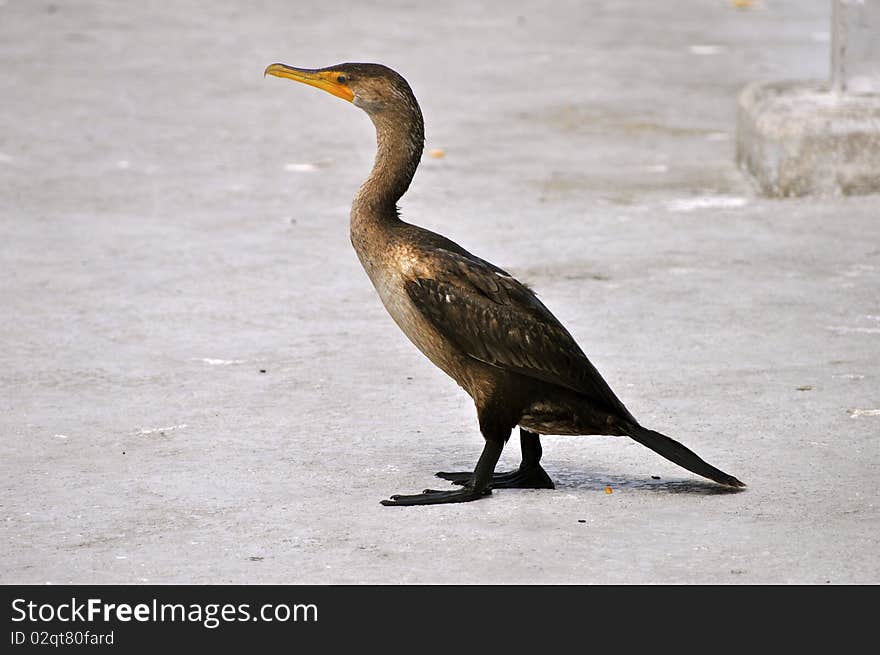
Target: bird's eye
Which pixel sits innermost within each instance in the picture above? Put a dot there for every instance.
(341, 79)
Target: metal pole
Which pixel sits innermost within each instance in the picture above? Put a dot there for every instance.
(838, 46)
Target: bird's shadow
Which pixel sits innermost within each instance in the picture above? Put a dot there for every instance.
(568, 479)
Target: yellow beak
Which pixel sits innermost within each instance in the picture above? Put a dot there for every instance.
(326, 80)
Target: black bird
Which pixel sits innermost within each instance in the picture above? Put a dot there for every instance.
(481, 326)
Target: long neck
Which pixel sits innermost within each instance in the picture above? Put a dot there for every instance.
(400, 137)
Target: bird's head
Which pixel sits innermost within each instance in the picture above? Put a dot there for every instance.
(373, 87)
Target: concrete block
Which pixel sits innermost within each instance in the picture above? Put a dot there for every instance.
(799, 138)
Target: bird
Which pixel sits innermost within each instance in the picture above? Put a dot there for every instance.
(475, 321)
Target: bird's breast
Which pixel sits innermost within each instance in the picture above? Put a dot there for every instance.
(389, 271)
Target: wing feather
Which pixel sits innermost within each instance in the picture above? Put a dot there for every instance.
(494, 318)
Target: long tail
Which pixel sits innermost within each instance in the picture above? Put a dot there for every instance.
(681, 455)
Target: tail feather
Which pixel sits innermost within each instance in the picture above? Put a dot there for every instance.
(680, 454)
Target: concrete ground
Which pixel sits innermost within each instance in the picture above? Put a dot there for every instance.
(198, 383)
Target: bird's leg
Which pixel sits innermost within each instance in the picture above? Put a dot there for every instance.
(482, 477)
(529, 475)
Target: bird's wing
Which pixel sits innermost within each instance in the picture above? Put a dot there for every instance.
(494, 318)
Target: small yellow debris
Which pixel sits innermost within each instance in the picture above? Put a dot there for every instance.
(743, 4)
(607, 490)
(437, 153)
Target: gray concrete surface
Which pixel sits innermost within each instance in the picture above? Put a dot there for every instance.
(171, 224)
(800, 138)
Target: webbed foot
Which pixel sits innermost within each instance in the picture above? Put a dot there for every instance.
(531, 477)
(434, 497)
